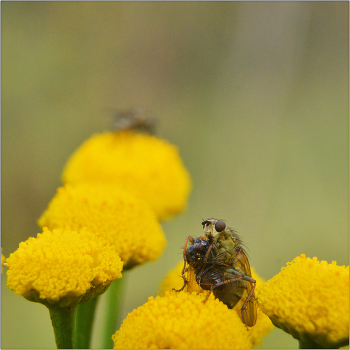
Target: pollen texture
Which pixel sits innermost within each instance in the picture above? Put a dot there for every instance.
(182, 321)
(61, 263)
(310, 300)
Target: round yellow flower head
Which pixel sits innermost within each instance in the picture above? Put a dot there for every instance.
(2, 260)
(123, 220)
(142, 164)
(173, 280)
(310, 300)
(63, 267)
(182, 321)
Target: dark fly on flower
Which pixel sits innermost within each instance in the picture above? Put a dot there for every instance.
(221, 266)
(134, 119)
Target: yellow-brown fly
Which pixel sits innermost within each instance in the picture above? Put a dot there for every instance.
(220, 265)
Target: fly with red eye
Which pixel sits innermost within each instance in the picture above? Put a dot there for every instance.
(221, 266)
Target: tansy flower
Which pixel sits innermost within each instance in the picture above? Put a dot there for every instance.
(173, 280)
(62, 267)
(2, 260)
(123, 220)
(310, 300)
(182, 321)
(142, 164)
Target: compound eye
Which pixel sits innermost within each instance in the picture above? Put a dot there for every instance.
(220, 226)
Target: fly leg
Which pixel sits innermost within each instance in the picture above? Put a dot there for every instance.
(213, 261)
(221, 283)
(184, 268)
(207, 254)
(185, 282)
(250, 295)
(218, 263)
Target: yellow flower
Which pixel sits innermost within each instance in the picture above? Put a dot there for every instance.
(182, 321)
(2, 260)
(62, 267)
(123, 220)
(310, 300)
(263, 324)
(142, 164)
(174, 280)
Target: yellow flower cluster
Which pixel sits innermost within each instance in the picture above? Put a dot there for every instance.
(117, 186)
(174, 280)
(310, 300)
(62, 266)
(182, 321)
(142, 164)
(123, 220)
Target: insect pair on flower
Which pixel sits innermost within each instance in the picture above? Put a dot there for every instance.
(218, 263)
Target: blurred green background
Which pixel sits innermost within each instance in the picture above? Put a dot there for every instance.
(255, 95)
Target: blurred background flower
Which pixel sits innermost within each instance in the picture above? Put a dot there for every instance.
(142, 164)
(255, 95)
(125, 221)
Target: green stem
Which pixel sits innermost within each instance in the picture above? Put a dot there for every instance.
(84, 322)
(114, 303)
(63, 323)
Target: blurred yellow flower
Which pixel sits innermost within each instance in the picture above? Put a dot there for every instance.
(2, 260)
(174, 280)
(62, 267)
(310, 300)
(123, 220)
(142, 164)
(182, 321)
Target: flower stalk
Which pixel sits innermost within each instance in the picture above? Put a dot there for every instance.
(63, 323)
(114, 304)
(84, 322)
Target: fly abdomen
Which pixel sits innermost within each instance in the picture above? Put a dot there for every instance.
(210, 277)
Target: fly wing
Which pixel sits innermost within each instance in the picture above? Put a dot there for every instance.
(249, 307)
